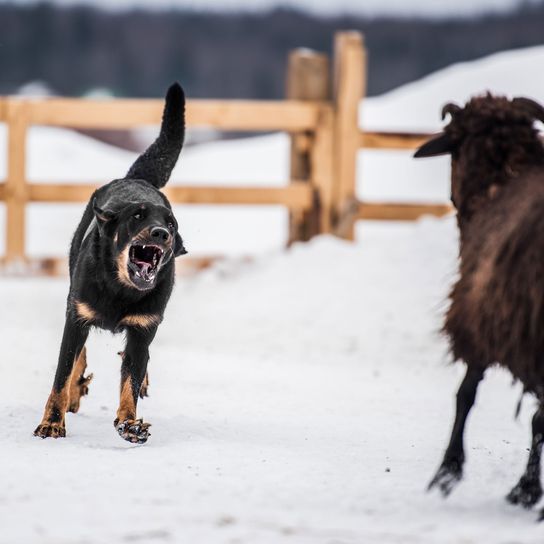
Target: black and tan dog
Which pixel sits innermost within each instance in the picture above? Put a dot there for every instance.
(121, 277)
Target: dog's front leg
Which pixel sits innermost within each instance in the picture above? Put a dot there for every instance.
(133, 370)
(73, 341)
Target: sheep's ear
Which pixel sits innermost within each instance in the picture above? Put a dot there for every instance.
(439, 145)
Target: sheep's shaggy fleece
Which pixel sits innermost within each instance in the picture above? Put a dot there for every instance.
(497, 306)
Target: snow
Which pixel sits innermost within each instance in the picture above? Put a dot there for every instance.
(393, 175)
(302, 397)
(416, 106)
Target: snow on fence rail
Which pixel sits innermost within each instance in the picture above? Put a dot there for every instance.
(320, 112)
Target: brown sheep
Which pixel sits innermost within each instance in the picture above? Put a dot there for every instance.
(496, 315)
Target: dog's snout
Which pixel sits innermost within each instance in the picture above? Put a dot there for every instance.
(160, 234)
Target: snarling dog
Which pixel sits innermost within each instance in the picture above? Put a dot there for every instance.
(121, 277)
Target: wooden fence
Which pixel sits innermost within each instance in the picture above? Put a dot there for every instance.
(320, 113)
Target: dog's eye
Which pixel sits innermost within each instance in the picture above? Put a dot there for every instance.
(138, 215)
(171, 226)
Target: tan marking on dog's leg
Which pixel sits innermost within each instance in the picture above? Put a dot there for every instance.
(127, 404)
(79, 383)
(144, 321)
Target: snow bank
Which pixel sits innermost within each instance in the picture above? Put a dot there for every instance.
(417, 105)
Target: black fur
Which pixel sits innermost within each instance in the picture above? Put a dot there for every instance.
(156, 164)
(496, 314)
(122, 265)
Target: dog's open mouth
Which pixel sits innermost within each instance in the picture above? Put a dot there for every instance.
(144, 261)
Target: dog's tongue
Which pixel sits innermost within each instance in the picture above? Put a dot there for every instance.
(144, 268)
(143, 265)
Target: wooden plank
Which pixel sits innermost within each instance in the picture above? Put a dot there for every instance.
(61, 192)
(349, 71)
(3, 109)
(400, 211)
(307, 80)
(222, 114)
(2, 191)
(298, 195)
(392, 140)
(396, 140)
(15, 187)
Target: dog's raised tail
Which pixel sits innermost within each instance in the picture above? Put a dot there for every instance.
(156, 164)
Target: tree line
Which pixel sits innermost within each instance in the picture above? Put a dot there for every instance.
(230, 55)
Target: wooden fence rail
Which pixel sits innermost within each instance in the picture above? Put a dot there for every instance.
(320, 113)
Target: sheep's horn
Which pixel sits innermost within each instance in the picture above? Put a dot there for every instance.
(532, 107)
(450, 108)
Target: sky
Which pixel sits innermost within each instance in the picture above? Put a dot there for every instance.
(367, 7)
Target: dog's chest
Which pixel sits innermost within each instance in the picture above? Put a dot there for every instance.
(114, 320)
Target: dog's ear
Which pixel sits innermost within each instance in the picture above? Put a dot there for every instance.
(179, 248)
(102, 215)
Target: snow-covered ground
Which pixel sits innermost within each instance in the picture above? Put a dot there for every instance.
(304, 397)
(301, 398)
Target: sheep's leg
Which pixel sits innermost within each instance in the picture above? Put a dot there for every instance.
(528, 490)
(451, 470)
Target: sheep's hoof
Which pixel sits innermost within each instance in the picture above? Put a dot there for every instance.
(527, 493)
(448, 476)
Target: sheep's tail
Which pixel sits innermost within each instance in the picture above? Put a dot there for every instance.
(155, 165)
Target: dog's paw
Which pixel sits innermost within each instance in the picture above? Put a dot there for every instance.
(77, 390)
(133, 430)
(48, 429)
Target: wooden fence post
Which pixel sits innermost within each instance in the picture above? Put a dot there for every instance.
(307, 79)
(322, 168)
(16, 188)
(349, 87)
